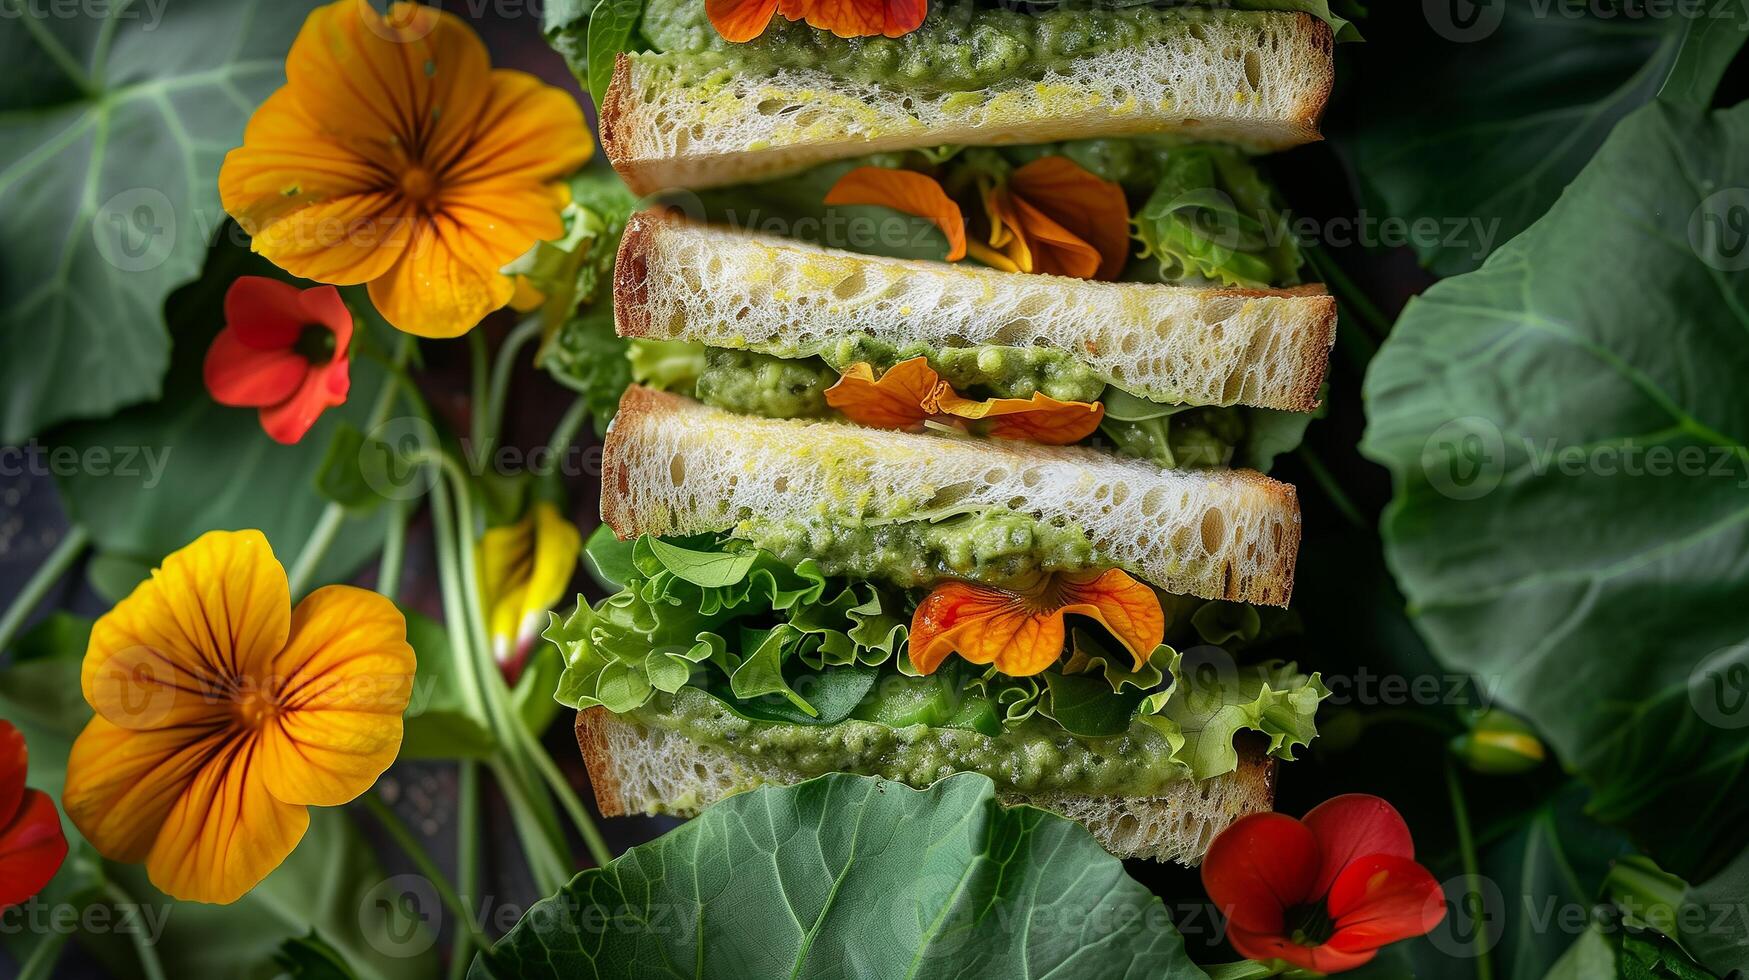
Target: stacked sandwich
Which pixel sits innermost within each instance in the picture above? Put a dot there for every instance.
(910, 517)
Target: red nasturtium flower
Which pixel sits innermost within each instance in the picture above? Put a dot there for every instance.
(1050, 216)
(1324, 892)
(32, 846)
(1021, 630)
(911, 393)
(744, 20)
(283, 350)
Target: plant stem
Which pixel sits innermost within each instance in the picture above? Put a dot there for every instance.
(394, 551)
(43, 957)
(1460, 816)
(315, 547)
(501, 369)
(409, 844)
(568, 425)
(1331, 272)
(546, 860)
(149, 964)
(1332, 489)
(467, 857)
(579, 815)
(41, 580)
(477, 389)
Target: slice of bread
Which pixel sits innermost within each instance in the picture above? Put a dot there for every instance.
(668, 124)
(674, 466)
(636, 768)
(679, 280)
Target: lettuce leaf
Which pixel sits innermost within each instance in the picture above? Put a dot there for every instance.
(1213, 218)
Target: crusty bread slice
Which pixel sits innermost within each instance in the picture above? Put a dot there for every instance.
(640, 769)
(674, 466)
(666, 125)
(679, 280)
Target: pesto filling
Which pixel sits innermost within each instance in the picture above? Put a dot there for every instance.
(958, 48)
(1034, 756)
(992, 545)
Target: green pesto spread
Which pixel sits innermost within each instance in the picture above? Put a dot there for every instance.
(993, 545)
(1035, 756)
(984, 370)
(960, 47)
(752, 383)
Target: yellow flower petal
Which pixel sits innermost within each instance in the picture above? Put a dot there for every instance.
(226, 832)
(529, 133)
(525, 569)
(122, 783)
(343, 683)
(443, 284)
(216, 610)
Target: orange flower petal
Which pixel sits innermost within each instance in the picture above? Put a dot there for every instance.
(1021, 631)
(858, 18)
(443, 284)
(342, 684)
(528, 132)
(164, 656)
(907, 191)
(121, 784)
(225, 832)
(901, 399)
(1005, 232)
(1055, 250)
(1094, 211)
(740, 20)
(1041, 418)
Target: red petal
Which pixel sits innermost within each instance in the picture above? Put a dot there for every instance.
(323, 305)
(14, 762)
(32, 848)
(1380, 899)
(1258, 868)
(241, 375)
(740, 20)
(1355, 826)
(1318, 959)
(322, 389)
(265, 313)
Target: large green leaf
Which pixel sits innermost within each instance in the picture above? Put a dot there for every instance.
(112, 128)
(1566, 430)
(1717, 933)
(849, 876)
(148, 481)
(1479, 121)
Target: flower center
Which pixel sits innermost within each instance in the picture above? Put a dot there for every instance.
(255, 709)
(419, 185)
(1309, 924)
(316, 343)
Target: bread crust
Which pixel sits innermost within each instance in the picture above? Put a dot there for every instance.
(612, 115)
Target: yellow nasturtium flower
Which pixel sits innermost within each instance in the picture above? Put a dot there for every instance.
(223, 714)
(524, 571)
(396, 155)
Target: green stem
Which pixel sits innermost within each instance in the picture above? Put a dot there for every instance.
(1332, 489)
(1460, 816)
(478, 361)
(409, 844)
(502, 368)
(327, 526)
(467, 857)
(43, 957)
(568, 799)
(41, 581)
(394, 551)
(568, 425)
(546, 859)
(1344, 287)
(148, 956)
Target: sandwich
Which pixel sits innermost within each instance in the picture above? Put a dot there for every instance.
(696, 109)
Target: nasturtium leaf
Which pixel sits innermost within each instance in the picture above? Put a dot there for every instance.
(851, 876)
(1716, 931)
(1565, 428)
(112, 127)
(1471, 118)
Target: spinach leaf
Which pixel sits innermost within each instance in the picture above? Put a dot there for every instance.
(1566, 432)
(610, 31)
(853, 876)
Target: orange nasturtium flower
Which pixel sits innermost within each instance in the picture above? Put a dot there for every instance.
(1049, 216)
(284, 351)
(1021, 630)
(223, 714)
(525, 569)
(395, 155)
(744, 20)
(911, 393)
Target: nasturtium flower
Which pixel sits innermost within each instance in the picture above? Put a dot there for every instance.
(1325, 892)
(223, 714)
(744, 20)
(395, 155)
(282, 350)
(32, 846)
(1021, 630)
(1050, 216)
(911, 393)
(525, 569)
